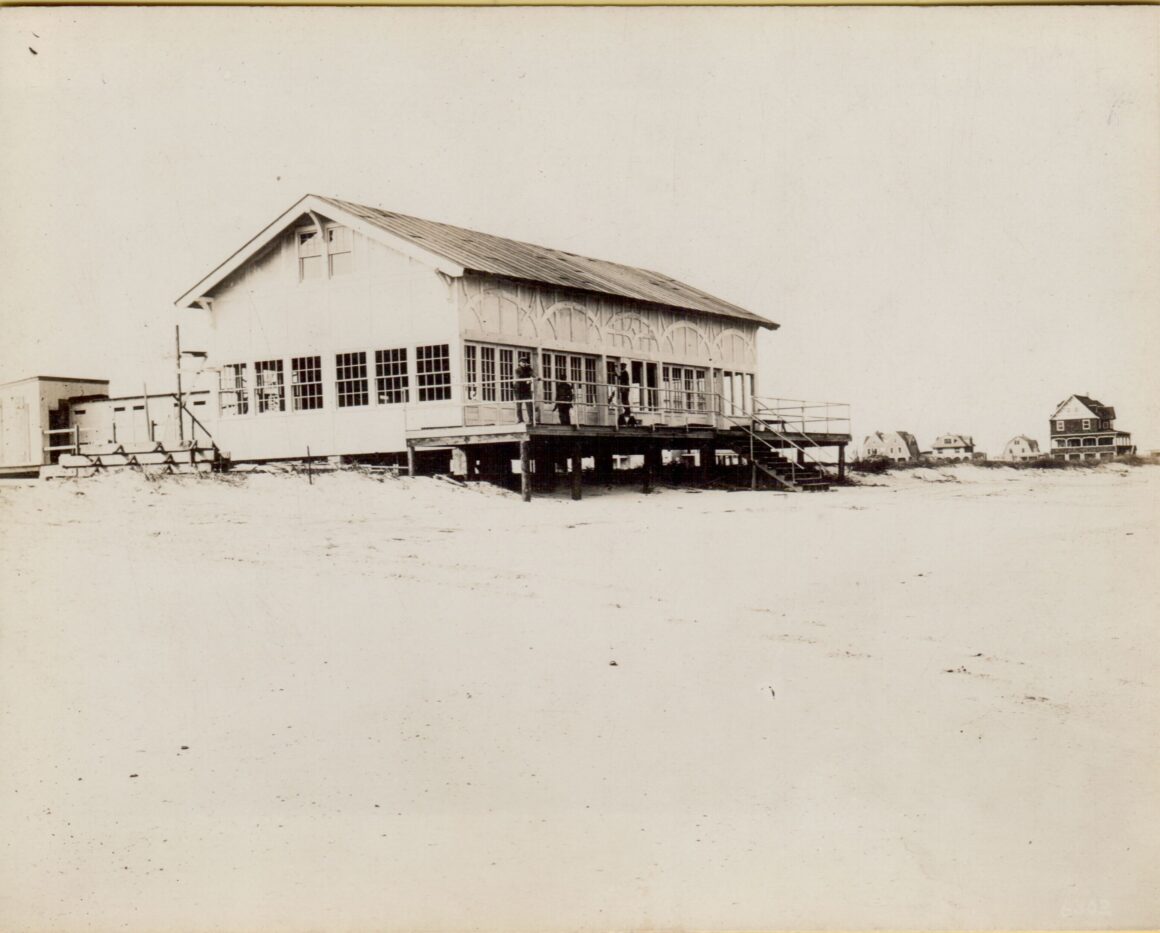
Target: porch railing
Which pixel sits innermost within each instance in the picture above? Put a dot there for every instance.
(605, 404)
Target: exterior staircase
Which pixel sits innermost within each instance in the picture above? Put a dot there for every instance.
(796, 477)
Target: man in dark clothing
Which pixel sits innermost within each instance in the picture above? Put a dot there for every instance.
(523, 388)
(564, 398)
(623, 380)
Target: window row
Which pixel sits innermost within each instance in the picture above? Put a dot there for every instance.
(352, 380)
(489, 377)
(1104, 425)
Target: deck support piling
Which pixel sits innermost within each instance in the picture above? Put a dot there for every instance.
(651, 452)
(841, 461)
(526, 470)
(551, 453)
(603, 463)
(707, 455)
(577, 469)
(410, 460)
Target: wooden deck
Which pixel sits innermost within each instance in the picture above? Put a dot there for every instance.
(489, 447)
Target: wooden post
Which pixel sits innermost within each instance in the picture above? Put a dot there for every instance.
(410, 460)
(708, 455)
(603, 462)
(801, 457)
(148, 420)
(841, 461)
(180, 399)
(549, 455)
(577, 469)
(309, 468)
(646, 485)
(752, 461)
(526, 469)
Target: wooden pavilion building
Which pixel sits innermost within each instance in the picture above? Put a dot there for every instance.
(363, 334)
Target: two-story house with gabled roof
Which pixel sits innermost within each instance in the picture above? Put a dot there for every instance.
(899, 446)
(1083, 428)
(953, 447)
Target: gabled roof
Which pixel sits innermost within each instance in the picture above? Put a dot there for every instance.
(457, 251)
(953, 440)
(1098, 409)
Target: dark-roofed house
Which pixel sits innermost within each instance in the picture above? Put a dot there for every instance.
(358, 332)
(899, 446)
(1083, 428)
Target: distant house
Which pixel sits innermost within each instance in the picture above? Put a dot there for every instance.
(1084, 429)
(953, 447)
(1021, 447)
(899, 446)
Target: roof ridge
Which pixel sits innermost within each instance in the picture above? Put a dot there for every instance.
(476, 250)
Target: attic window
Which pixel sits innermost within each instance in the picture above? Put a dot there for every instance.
(338, 250)
(309, 255)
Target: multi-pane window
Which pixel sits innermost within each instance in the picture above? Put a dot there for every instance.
(391, 376)
(338, 249)
(1059, 425)
(433, 372)
(684, 388)
(590, 380)
(306, 382)
(310, 257)
(350, 372)
(232, 394)
(269, 390)
(548, 381)
(506, 374)
(1087, 424)
(470, 371)
(487, 373)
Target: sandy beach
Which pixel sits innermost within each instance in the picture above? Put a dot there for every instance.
(252, 703)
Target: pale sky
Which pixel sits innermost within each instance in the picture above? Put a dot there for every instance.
(953, 213)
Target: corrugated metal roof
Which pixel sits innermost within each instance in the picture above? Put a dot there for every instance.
(494, 255)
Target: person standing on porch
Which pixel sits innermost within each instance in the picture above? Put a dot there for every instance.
(524, 377)
(564, 398)
(624, 381)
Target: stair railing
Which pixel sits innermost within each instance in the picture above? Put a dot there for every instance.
(748, 423)
(775, 411)
(195, 423)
